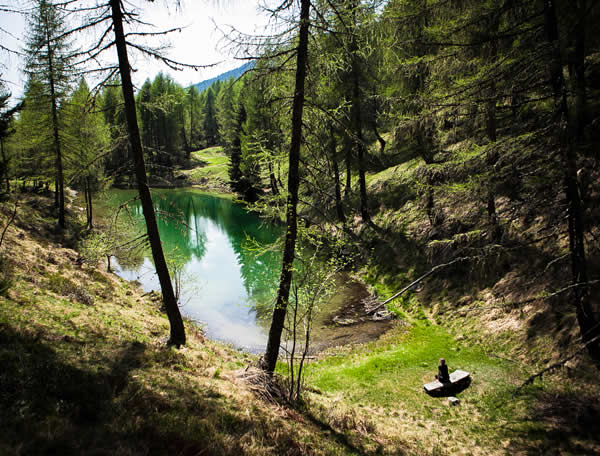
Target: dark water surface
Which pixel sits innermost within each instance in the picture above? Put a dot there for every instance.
(225, 276)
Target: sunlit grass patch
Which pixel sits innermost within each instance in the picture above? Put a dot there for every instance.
(212, 163)
(384, 380)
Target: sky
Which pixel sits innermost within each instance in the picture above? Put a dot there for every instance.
(199, 42)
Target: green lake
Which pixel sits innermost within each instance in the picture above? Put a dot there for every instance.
(226, 274)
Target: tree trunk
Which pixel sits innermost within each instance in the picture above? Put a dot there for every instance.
(189, 152)
(5, 161)
(89, 198)
(336, 176)
(272, 179)
(491, 129)
(177, 336)
(57, 150)
(360, 149)
(580, 89)
(87, 203)
(587, 322)
(356, 119)
(381, 141)
(186, 144)
(272, 352)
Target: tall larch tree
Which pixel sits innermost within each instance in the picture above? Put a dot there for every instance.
(49, 61)
(177, 336)
(269, 360)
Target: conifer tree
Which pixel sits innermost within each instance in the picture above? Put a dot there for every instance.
(177, 336)
(269, 360)
(49, 61)
(87, 139)
(210, 127)
(6, 129)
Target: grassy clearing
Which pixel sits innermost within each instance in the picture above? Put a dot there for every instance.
(210, 169)
(378, 387)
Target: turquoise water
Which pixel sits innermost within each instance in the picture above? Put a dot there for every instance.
(218, 246)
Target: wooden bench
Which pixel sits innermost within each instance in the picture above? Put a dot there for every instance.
(458, 380)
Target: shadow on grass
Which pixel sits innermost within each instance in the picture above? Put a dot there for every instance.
(450, 389)
(195, 163)
(344, 438)
(49, 406)
(560, 423)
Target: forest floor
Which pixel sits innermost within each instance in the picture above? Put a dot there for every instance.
(86, 371)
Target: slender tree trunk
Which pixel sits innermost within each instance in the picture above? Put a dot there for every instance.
(177, 336)
(272, 179)
(5, 161)
(356, 119)
(186, 144)
(336, 176)
(491, 129)
(587, 321)
(348, 187)
(90, 205)
(87, 203)
(189, 152)
(380, 140)
(272, 353)
(360, 149)
(57, 150)
(580, 88)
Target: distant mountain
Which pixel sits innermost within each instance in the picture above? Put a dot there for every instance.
(236, 73)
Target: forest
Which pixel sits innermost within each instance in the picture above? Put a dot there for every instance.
(433, 168)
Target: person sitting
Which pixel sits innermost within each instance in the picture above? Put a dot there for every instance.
(443, 376)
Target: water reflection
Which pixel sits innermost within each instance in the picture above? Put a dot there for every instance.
(224, 279)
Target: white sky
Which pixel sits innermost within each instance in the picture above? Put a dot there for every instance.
(199, 43)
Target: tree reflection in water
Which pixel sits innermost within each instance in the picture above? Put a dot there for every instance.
(231, 277)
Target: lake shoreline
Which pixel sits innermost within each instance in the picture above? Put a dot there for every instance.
(343, 323)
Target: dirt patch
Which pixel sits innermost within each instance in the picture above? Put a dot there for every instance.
(345, 320)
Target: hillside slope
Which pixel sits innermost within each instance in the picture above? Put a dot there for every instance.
(85, 370)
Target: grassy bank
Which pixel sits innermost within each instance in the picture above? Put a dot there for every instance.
(85, 369)
(376, 390)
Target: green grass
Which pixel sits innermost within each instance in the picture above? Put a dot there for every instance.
(211, 163)
(398, 368)
(383, 382)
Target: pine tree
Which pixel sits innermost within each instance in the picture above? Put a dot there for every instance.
(269, 360)
(87, 139)
(177, 336)
(193, 112)
(49, 61)
(210, 127)
(6, 129)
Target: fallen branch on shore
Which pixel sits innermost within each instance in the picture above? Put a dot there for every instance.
(412, 284)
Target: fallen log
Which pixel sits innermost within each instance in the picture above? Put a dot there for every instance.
(408, 287)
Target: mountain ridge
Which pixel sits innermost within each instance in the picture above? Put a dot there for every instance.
(231, 74)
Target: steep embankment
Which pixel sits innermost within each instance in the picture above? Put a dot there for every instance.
(493, 311)
(85, 369)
